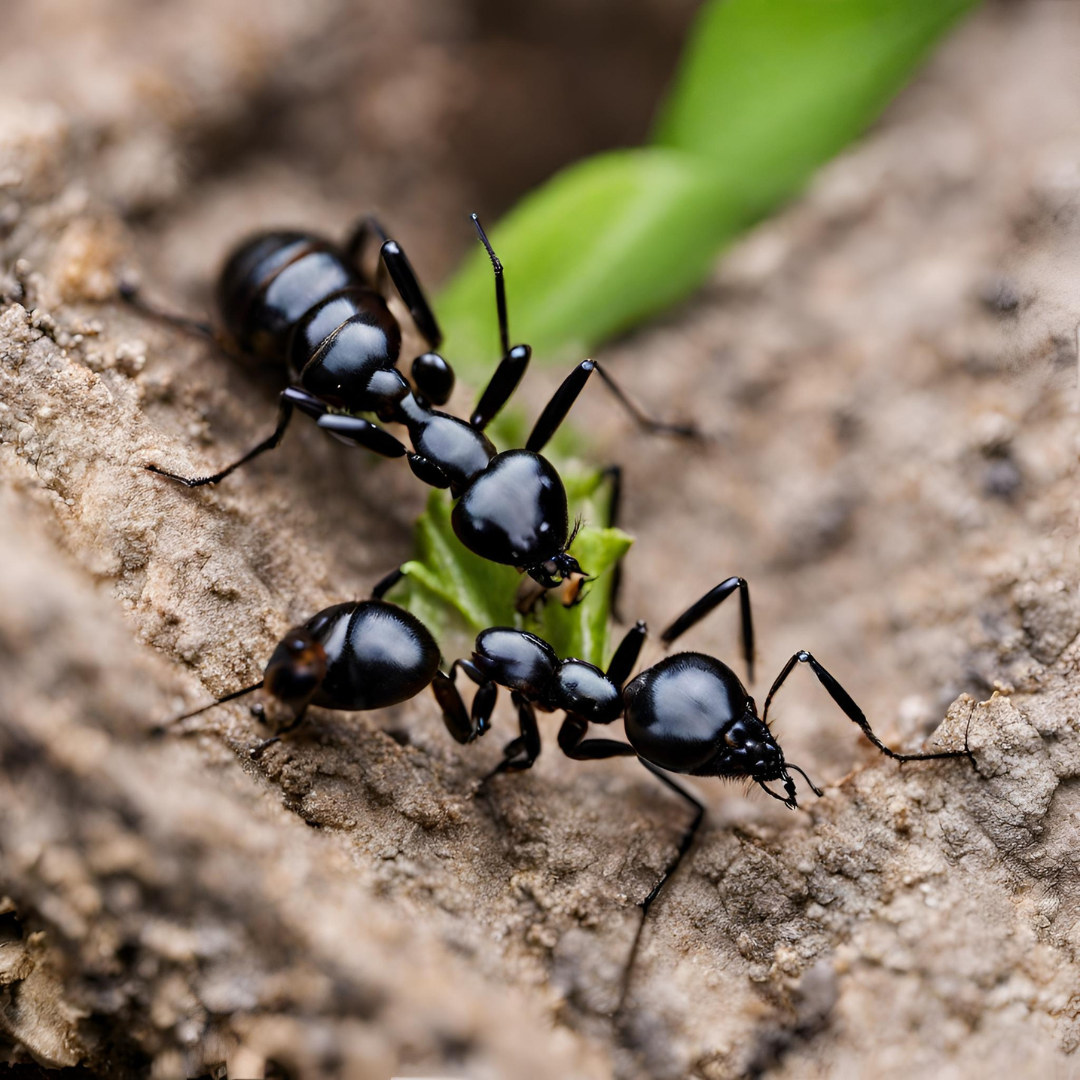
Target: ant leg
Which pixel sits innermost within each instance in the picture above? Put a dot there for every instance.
(355, 431)
(687, 837)
(461, 725)
(130, 294)
(563, 398)
(571, 735)
(626, 655)
(710, 601)
(574, 745)
(291, 397)
(384, 585)
(259, 749)
(502, 385)
(401, 273)
(685, 843)
(428, 472)
(849, 708)
(613, 474)
(520, 753)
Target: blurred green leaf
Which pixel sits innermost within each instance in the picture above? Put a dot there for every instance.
(767, 91)
(457, 594)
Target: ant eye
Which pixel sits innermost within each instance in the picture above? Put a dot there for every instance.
(735, 737)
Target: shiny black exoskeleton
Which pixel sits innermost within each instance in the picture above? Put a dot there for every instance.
(301, 301)
(687, 714)
(353, 657)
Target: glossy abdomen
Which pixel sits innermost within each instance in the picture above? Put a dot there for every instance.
(377, 655)
(271, 281)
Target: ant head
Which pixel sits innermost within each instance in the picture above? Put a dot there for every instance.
(296, 669)
(554, 571)
(752, 747)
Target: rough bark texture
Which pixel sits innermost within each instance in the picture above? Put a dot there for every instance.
(889, 372)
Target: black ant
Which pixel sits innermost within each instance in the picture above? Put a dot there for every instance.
(301, 301)
(687, 714)
(352, 657)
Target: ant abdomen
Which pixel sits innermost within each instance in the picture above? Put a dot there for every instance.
(272, 281)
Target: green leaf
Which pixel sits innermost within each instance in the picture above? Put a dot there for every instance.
(770, 89)
(767, 91)
(457, 594)
(582, 631)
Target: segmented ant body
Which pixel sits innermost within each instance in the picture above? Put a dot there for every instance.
(352, 657)
(688, 714)
(301, 301)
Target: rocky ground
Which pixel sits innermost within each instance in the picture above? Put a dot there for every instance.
(888, 371)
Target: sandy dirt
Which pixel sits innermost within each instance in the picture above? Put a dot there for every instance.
(888, 373)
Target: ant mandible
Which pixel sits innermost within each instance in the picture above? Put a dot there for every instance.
(299, 300)
(687, 714)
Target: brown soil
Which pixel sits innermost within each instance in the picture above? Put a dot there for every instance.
(888, 371)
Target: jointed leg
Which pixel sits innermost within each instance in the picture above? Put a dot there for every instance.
(162, 728)
(130, 294)
(849, 708)
(502, 385)
(613, 474)
(514, 362)
(355, 431)
(385, 584)
(626, 655)
(687, 837)
(563, 398)
(401, 273)
(348, 429)
(522, 752)
(574, 745)
(641, 418)
(259, 749)
(685, 842)
(461, 725)
(285, 412)
(711, 600)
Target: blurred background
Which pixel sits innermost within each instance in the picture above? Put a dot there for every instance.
(225, 118)
(885, 367)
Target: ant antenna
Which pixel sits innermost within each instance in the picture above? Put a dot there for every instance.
(162, 728)
(500, 286)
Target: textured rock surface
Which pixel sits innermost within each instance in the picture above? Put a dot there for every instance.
(889, 370)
